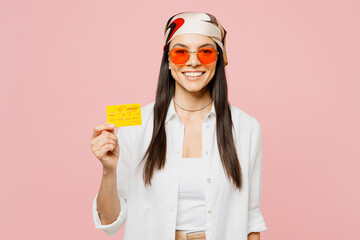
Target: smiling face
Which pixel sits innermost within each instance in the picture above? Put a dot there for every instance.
(186, 75)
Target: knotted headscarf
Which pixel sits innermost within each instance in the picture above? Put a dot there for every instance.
(196, 22)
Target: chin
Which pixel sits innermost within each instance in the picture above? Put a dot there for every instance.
(196, 88)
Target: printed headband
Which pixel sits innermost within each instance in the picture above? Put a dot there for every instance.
(196, 22)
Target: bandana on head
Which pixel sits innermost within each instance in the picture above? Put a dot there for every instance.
(196, 22)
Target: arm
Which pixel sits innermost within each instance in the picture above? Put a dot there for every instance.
(254, 236)
(256, 221)
(110, 203)
(109, 208)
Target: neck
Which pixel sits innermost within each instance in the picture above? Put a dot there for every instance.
(190, 100)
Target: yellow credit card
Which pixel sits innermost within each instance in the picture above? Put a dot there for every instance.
(124, 114)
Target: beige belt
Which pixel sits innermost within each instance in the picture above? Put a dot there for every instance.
(179, 235)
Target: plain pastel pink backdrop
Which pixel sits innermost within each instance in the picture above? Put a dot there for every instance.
(293, 65)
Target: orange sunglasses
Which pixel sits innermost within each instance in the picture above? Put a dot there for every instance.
(206, 55)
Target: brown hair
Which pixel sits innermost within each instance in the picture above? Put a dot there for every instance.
(155, 156)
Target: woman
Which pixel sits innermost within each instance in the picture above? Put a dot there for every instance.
(192, 170)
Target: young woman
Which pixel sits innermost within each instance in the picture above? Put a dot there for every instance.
(193, 169)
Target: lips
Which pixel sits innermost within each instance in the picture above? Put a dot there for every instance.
(202, 72)
(193, 71)
(192, 78)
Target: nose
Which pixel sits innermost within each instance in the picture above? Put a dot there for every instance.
(193, 59)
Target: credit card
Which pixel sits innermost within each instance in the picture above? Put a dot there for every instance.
(124, 115)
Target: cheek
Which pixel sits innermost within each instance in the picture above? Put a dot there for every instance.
(212, 73)
(175, 73)
(176, 70)
(212, 69)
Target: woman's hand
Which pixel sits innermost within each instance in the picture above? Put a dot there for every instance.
(104, 144)
(254, 236)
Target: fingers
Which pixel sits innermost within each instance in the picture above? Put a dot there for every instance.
(99, 128)
(106, 134)
(102, 152)
(105, 141)
(102, 139)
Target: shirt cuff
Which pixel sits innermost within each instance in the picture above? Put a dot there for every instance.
(112, 228)
(256, 222)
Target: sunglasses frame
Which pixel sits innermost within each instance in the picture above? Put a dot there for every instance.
(193, 52)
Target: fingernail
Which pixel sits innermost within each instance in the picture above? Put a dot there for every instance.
(112, 125)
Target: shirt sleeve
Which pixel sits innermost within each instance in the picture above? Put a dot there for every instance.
(256, 221)
(112, 228)
(122, 176)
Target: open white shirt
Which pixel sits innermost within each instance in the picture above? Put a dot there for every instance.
(151, 212)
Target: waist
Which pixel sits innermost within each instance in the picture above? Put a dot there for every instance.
(179, 235)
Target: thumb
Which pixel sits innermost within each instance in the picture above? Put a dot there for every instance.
(110, 127)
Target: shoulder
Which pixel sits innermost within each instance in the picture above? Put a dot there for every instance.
(147, 110)
(242, 119)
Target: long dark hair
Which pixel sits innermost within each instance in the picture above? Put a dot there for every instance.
(155, 155)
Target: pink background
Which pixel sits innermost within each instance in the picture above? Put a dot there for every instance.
(293, 65)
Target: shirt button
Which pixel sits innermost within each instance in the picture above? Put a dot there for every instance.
(208, 180)
(209, 211)
(209, 116)
(206, 152)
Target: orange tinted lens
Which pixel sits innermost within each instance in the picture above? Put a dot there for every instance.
(207, 55)
(179, 55)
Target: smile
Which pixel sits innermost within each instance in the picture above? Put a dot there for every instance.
(193, 74)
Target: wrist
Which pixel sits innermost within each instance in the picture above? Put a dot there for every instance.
(109, 171)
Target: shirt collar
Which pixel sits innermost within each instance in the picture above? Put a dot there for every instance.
(171, 111)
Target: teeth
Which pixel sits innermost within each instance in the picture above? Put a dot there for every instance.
(192, 74)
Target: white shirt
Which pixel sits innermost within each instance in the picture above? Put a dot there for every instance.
(151, 212)
(191, 212)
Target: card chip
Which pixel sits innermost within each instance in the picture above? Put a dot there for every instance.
(124, 115)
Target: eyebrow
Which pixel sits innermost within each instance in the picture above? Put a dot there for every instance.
(182, 45)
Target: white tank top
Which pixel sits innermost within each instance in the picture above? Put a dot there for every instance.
(191, 215)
